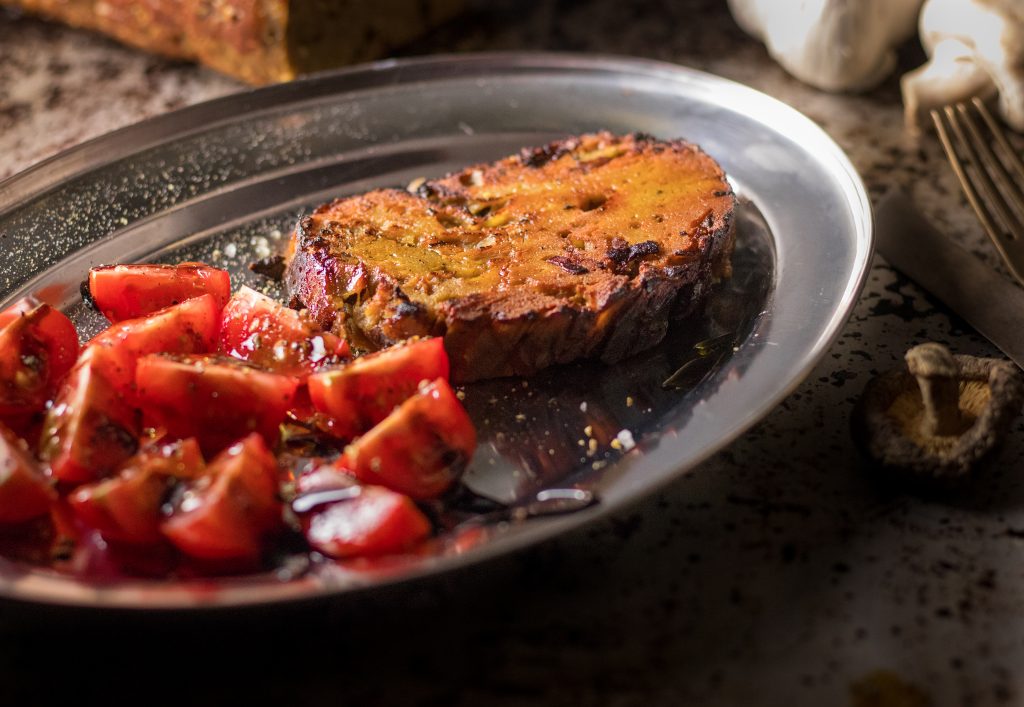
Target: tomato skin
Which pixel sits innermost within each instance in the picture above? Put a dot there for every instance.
(420, 449)
(38, 346)
(227, 512)
(375, 522)
(127, 508)
(260, 330)
(90, 429)
(130, 291)
(215, 399)
(189, 327)
(324, 478)
(364, 392)
(24, 491)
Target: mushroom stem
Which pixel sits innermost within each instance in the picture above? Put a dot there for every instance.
(936, 372)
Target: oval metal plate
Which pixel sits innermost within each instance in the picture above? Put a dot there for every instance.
(225, 180)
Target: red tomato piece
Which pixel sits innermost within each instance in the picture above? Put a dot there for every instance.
(420, 449)
(90, 429)
(364, 392)
(260, 330)
(215, 399)
(130, 291)
(189, 327)
(324, 478)
(230, 509)
(127, 508)
(25, 492)
(38, 346)
(375, 522)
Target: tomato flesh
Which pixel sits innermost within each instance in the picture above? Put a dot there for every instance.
(189, 327)
(38, 346)
(215, 399)
(377, 521)
(420, 449)
(129, 291)
(127, 508)
(90, 429)
(258, 329)
(24, 491)
(230, 509)
(364, 392)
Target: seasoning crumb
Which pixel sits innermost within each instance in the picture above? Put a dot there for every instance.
(520, 417)
(588, 431)
(592, 447)
(616, 444)
(598, 465)
(460, 394)
(625, 438)
(231, 250)
(583, 406)
(629, 401)
(581, 443)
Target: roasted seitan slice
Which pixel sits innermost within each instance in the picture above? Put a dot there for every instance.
(584, 248)
(258, 41)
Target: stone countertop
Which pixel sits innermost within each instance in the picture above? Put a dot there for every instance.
(777, 573)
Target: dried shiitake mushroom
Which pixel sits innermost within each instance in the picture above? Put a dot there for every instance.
(942, 418)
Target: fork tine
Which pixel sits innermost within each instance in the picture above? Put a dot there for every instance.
(999, 240)
(965, 182)
(1010, 154)
(995, 170)
(1000, 136)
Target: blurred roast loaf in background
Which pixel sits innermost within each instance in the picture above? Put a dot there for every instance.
(257, 41)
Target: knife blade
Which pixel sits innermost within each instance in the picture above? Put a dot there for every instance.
(987, 300)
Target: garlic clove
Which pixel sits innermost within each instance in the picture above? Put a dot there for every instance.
(836, 45)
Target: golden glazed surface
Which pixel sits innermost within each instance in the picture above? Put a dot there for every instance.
(553, 250)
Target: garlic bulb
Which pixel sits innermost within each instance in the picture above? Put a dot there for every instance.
(976, 48)
(836, 45)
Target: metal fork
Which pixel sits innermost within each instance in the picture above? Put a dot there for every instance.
(991, 182)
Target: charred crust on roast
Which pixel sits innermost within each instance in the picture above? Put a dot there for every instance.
(569, 265)
(622, 254)
(540, 156)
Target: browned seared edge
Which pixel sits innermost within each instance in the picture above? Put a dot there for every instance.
(258, 41)
(584, 248)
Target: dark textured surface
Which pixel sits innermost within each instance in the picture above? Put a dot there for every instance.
(777, 574)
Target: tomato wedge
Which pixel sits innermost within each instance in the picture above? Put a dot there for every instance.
(376, 521)
(90, 429)
(420, 449)
(365, 391)
(130, 291)
(25, 492)
(260, 330)
(189, 327)
(227, 511)
(127, 508)
(38, 346)
(215, 399)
